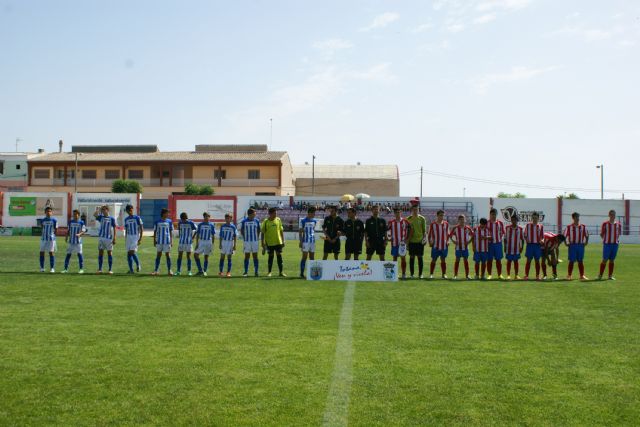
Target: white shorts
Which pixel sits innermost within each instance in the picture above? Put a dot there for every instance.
(226, 247)
(163, 248)
(185, 247)
(402, 249)
(132, 242)
(308, 247)
(105, 244)
(48, 246)
(204, 247)
(74, 248)
(251, 247)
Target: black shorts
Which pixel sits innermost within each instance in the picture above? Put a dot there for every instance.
(376, 247)
(353, 247)
(275, 248)
(332, 248)
(416, 249)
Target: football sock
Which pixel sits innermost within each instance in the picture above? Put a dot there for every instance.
(610, 268)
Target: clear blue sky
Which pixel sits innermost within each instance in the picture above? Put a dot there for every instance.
(526, 91)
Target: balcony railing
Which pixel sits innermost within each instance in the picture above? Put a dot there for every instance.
(156, 182)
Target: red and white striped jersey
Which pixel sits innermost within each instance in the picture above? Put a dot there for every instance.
(481, 239)
(462, 236)
(496, 231)
(611, 232)
(514, 239)
(551, 241)
(576, 234)
(533, 233)
(439, 235)
(399, 230)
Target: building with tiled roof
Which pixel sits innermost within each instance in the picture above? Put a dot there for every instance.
(229, 169)
(332, 180)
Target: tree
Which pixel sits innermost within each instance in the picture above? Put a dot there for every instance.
(570, 196)
(518, 195)
(197, 190)
(126, 186)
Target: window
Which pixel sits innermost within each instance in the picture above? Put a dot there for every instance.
(59, 173)
(265, 194)
(136, 174)
(219, 174)
(41, 173)
(17, 167)
(165, 174)
(89, 174)
(1, 168)
(254, 173)
(112, 174)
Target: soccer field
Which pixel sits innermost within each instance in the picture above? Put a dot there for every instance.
(97, 350)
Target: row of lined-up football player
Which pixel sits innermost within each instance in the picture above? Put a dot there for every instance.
(491, 240)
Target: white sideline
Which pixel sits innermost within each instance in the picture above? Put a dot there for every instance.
(336, 411)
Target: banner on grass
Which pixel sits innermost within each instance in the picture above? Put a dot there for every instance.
(357, 271)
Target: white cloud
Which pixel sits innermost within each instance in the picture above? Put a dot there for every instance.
(483, 83)
(502, 4)
(484, 19)
(455, 27)
(421, 28)
(379, 73)
(382, 21)
(328, 48)
(588, 34)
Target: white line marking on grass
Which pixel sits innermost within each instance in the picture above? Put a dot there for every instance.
(336, 412)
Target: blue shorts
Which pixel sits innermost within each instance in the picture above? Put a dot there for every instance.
(576, 252)
(462, 253)
(534, 250)
(481, 256)
(495, 251)
(513, 257)
(395, 250)
(609, 251)
(439, 253)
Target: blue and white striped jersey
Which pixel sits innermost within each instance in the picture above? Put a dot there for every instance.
(308, 226)
(75, 227)
(250, 229)
(132, 224)
(107, 224)
(228, 232)
(49, 226)
(185, 230)
(163, 229)
(206, 230)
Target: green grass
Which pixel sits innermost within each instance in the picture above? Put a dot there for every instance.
(99, 350)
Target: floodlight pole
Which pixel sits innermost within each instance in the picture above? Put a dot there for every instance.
(421, 174)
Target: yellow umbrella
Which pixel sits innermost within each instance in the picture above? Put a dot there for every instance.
(347, 198)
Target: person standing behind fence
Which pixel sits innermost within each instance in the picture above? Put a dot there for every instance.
(577, 238)
(273, 240)
(610, 233)
(332, 227)
(250, 231)
(354, 232)
(417, 240)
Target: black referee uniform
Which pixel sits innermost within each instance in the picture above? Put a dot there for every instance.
(354, 230)
(331, 226)
(375, 229)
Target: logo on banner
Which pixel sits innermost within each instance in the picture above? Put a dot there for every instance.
(315, 271)
(389, 271)
(523, 216)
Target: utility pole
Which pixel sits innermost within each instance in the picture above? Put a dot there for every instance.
(464, 191)
(270, 133)
(421, 174)
(18, 140)
(601, 167)
(313, 175)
